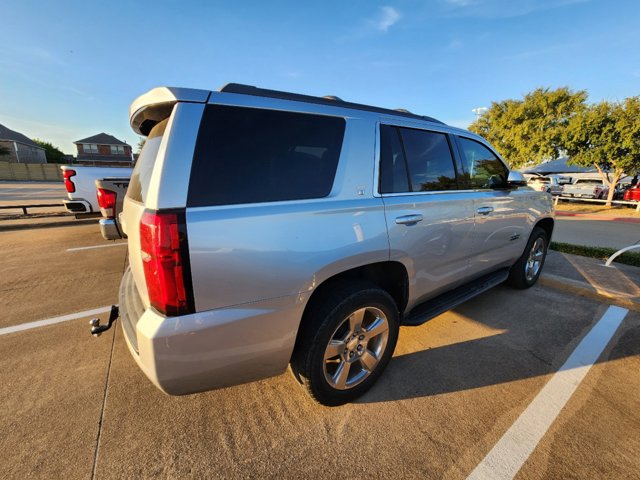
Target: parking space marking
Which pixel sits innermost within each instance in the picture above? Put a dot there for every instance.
(96, 246)
(514, 448)
(54, 320)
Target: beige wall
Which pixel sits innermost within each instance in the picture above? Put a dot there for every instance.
(30, 171)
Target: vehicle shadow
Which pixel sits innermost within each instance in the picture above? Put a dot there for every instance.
(520, 343)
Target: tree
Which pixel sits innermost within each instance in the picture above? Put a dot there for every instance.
(4, 151)
(140, 144)
(607, 136)
(531, 130)
(53, 154)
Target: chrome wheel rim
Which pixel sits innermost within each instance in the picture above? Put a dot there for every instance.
(355, 348)
(534, 261)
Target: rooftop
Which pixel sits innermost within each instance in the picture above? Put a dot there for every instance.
(102, 139)
(8, 134)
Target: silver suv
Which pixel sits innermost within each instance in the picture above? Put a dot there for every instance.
(269, 229)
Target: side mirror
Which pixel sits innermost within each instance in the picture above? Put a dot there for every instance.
(516, 179)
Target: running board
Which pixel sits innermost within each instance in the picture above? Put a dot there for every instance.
(449, 300)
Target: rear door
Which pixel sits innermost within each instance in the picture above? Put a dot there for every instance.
(501, 225)
(430, 222)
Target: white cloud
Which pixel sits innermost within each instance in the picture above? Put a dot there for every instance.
(387, 17)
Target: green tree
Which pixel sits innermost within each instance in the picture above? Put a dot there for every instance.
(607, 136)
(4, 150)
(141, 142)
(531, 130)
(53, 154)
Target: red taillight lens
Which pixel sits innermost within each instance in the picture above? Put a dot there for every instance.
(107, 201)
(164, 266)
(69, 185)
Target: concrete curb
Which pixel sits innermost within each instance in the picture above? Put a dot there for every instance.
(592, 216)
(584, 289)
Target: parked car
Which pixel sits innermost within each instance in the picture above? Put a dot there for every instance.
(79, 180)
(632, 194)
(268, 228)
(549, 184)
(586, 188)
(110, 193)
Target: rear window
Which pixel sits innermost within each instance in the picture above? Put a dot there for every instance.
(248, 155)
(141, 175)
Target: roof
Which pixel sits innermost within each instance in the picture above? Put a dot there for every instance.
(8, 134)
(103, 158)
(560, 165)
(102, 139)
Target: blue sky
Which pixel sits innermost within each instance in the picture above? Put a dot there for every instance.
(70, 69)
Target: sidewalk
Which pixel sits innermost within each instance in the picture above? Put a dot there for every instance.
(588, 277)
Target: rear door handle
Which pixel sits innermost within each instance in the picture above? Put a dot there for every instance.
(409, 219)
(485, 210)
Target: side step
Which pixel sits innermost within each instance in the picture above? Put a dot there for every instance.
(447, 301)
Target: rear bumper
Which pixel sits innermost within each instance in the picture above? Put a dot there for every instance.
(77, 206)
(212, 349)
(109, 229)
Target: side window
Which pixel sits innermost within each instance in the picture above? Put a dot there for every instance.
(249, 155)
(429, 160)
(393, 166)
(481, 169)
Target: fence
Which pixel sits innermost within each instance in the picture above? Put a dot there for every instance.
(594, 200)
(38, 172)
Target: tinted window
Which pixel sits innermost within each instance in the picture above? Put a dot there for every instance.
(141, 175)
(481, 168)
(247, 155)
(393, 167)
(429, 160)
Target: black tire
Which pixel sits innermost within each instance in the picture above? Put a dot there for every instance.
(524, 275)
(323, 322)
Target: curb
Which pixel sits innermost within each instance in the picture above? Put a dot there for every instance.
(590, 216)
(584, 289)
(28, 226)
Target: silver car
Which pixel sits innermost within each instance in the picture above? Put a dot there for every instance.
(269, 229)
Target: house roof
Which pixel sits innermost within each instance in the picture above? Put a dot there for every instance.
(102, 139)
(8, 134)
(560, 165)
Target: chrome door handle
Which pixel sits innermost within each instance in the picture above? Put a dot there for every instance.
(409, 219)
(485, 210)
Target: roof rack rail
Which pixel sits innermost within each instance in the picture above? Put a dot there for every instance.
(328, 100)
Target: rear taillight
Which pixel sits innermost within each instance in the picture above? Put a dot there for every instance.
(107, 201)
(165, 260)
(69, 185)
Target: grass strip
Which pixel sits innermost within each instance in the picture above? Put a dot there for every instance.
(603, 253)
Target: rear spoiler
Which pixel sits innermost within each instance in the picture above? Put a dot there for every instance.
(156, 105)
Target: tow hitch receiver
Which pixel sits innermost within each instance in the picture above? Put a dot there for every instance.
(97, 329)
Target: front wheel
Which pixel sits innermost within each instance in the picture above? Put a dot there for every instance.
(346, 343)
(525, 272)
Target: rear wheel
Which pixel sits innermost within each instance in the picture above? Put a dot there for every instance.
(525, 272)
(346, 342)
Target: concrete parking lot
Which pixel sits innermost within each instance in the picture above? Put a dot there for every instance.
(78, 407)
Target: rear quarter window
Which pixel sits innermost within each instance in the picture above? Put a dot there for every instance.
(249, 155)
(141, 176)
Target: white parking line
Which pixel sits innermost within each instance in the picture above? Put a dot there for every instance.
(51, 321)
(96, 246)
(507, 457)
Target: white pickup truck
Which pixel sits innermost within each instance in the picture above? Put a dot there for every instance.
(80, 182)
(586, 188)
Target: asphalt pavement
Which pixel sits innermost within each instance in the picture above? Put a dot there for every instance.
(596, 233)
(79, 407)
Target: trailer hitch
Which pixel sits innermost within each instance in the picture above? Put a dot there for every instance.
(97, 329)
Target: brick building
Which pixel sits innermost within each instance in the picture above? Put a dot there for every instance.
(103, 149)
(21, 149)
